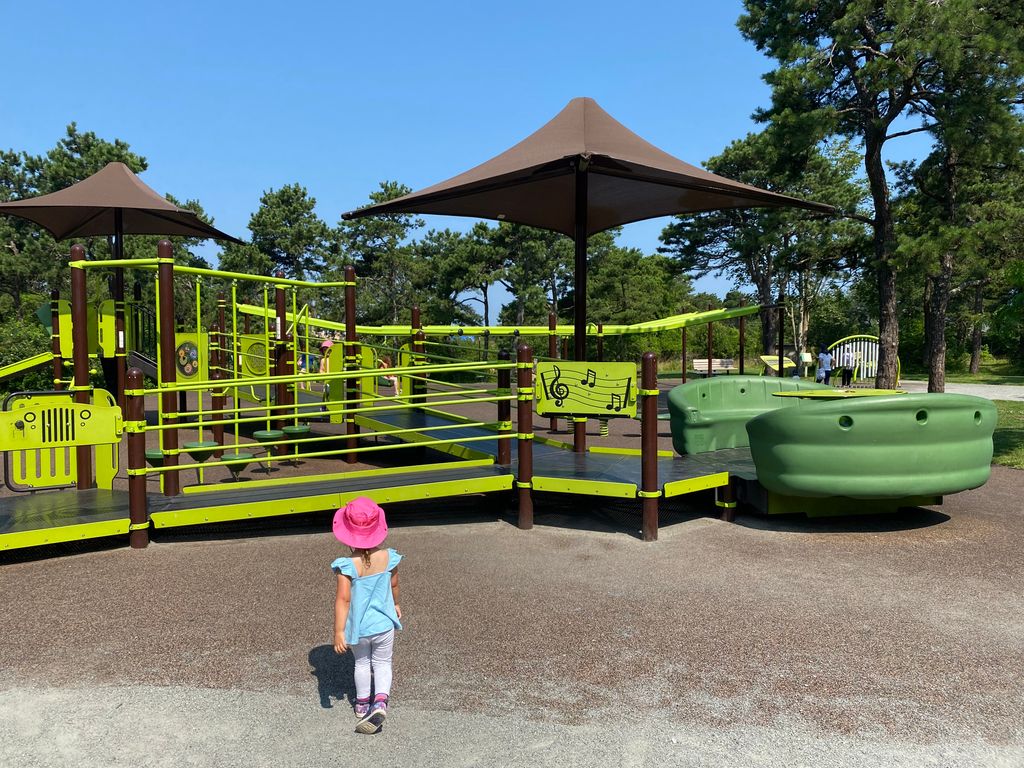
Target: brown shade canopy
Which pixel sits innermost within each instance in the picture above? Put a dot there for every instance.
(629, 179)
(93, 207)
(582, 173)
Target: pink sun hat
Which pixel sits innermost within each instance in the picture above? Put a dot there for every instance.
(360, 524)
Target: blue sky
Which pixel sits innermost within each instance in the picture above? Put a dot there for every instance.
(229, 99)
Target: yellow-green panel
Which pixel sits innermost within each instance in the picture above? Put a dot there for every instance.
(191, 356)
(63, 533)
(327, 501)
(107, 340)
(368, 360)
(693, 484)
(38, 422)
(253, 354)
(586, 389)
(626, 451)
(584, 487)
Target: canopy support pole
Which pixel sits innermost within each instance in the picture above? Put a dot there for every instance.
(579, 440)
(120, 350)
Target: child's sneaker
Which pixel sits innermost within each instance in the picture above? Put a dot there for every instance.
(362, 707)
(374, 721)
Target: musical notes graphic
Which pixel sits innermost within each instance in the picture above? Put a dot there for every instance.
(556, 390)
(586, 389)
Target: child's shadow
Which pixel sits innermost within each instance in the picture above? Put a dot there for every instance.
(333, 675)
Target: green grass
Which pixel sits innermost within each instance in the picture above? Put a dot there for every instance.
(991, 372)
(1009, 434)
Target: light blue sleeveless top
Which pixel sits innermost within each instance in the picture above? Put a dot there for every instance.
(372, 609)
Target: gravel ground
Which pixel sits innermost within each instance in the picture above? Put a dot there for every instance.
(893, 641)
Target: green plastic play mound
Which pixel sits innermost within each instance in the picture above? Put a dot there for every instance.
(875, 447)
(712, 414)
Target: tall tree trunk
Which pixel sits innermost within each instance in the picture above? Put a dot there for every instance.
(926, 347)
(979, 308)
(935, 312)
(803, 319)
(935, 324)
(884, 242)
(769, 318)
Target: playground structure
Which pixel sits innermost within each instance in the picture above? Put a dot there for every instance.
(239, 385)
(247, 390)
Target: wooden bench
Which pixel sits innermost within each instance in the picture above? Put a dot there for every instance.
(718, 365)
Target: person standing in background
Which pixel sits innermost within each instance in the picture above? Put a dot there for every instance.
(824, 365)
(847, 362)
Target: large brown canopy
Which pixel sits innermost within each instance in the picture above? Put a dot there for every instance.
(582, 173)
(630, 179)
(93, 206)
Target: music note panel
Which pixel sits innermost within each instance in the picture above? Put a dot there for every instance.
(586, 389)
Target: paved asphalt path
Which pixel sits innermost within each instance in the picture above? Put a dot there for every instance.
(988, 391)
(882, 642)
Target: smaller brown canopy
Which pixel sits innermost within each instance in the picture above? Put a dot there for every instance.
(93, 206)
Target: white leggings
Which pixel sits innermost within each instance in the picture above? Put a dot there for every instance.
(374, 651)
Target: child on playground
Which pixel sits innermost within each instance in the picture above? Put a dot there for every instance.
(385, 363)
(366, 609)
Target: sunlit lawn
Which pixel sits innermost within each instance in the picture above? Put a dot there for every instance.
(991, 372)
(1009, 435)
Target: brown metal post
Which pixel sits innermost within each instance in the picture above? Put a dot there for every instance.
(684, 353)
(282, 365)
(135, 420)
(120, 346)
(419, 386)
(552, 353)
(726, 501)
(580, 261)
(80, 356)
(221, 311)
(137, 315)
(743, 337)
(524, 444)
(58, 361)
(216, 392)
(782, 339)
(600, 342)
(711, 341)
(649, 490)
(168, 369)
(579, 423)
(416, 350)
(504, 412)
(351, 387)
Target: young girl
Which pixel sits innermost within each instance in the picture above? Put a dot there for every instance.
(366, 610)
(385, 363)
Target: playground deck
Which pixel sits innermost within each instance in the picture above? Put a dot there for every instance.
(614, 473)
